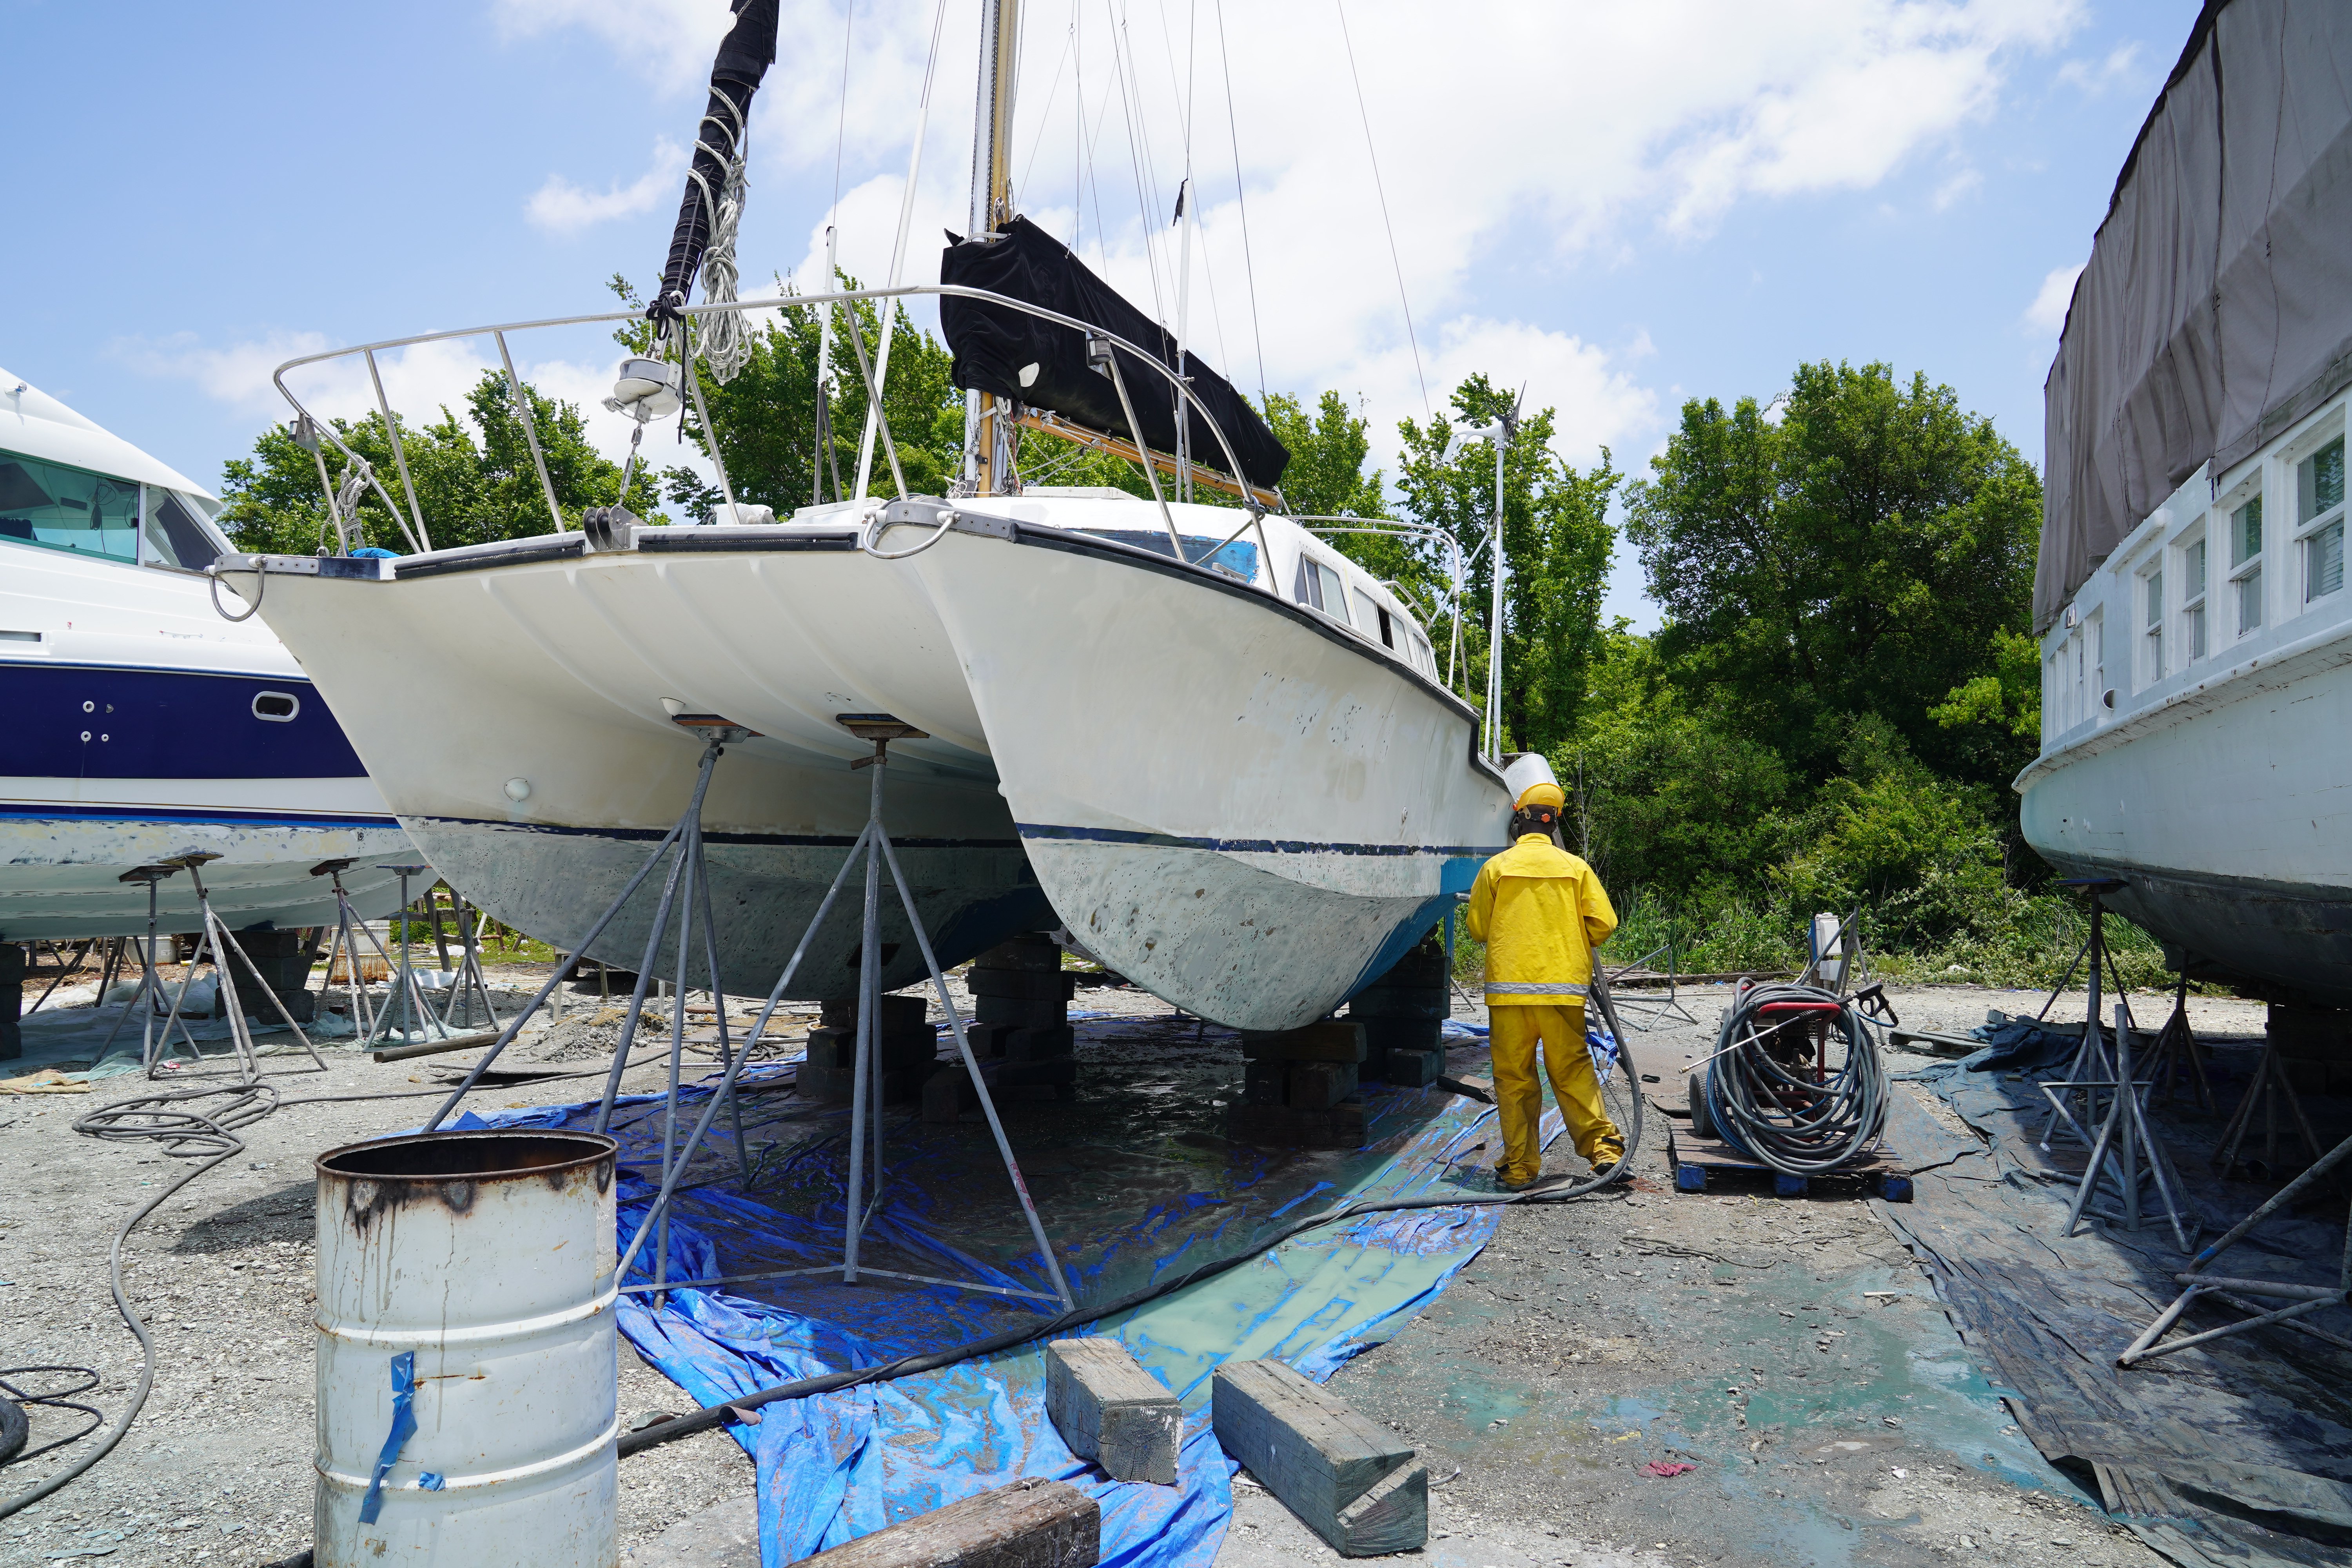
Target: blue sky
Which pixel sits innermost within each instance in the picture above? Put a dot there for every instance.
(1622, 206)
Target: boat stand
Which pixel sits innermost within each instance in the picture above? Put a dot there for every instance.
(344, 944)
(2301, 1299)
(2093, 1066)
(2270, 1088)
(217, 943)
(2127, 1148)
(415, 1012)
(873, 844)
(150, 988)
(2179, 1059)
(1656, 1009)
(471, 985)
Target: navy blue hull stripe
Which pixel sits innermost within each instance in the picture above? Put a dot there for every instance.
(97, 721)
(37, 811)
(1254, 846)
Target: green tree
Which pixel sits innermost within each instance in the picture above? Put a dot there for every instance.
(1556, 538)
(473, 477)
(1855, 557)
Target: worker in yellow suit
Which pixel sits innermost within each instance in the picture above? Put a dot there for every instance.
(1541, 911)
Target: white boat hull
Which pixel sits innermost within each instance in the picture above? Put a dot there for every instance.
(592, 657)
(1236, 802)
(2227, 814)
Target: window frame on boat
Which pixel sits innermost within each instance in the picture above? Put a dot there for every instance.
(2147, 587)
(148, 505)
(2318, 534)
(2244, 521)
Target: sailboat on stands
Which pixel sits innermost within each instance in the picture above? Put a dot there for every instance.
(1209, 744)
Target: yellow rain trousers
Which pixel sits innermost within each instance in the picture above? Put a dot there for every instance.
(1540, 911)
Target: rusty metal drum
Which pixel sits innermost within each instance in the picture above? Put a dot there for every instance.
(468, 1402)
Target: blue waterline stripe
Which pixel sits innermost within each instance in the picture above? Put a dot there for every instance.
(1253, 846)
(22, 811)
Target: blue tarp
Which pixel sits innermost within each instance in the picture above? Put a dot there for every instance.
(1134, 1180)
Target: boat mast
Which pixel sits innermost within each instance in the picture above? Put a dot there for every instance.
(991, 435)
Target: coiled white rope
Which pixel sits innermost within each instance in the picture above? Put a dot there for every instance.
(721, 337)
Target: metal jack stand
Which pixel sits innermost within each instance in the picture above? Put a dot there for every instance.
(2301, 1298)
(2179, 1059)
(415, 1012)
(349, 928)
(873, 844)
(2123, 1143)
(217, 942)
(2269, 1089)
(1657, 1009)
(471, 985)
(2093, 1066)
(151, 989)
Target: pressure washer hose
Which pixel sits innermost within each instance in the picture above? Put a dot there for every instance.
(1780, 1115)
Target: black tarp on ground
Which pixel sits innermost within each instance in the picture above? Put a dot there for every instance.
(993, 346)
(2235, 1452)
(2216, 309)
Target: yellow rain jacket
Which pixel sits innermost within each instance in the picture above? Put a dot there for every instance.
(1540, 911)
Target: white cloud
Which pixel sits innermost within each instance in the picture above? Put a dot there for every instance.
(2047, 315)
(562, 207)
(1964, 183)
(2093, 80)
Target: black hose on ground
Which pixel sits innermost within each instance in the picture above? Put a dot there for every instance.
(1762, 1090)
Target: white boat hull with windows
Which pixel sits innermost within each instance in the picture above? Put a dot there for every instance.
(2217, 788)
(142, 726)
(1237, 801)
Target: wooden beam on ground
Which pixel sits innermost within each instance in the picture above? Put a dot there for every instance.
(1109, 1410)
(1028, 1524)
(1352, 1483)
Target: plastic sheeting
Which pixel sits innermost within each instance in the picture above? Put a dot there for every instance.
(1134, 1181)
(2216, 309)
(2232, 1453)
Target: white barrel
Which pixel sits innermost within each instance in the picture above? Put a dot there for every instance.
(485, 1259)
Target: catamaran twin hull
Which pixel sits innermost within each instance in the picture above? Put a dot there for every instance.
(1241, 806)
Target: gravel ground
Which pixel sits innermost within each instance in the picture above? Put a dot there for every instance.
(1545, 1386)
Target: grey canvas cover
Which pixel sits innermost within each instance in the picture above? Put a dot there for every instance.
(2216, 309)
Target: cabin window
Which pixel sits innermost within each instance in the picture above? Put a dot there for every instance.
(276, 707)
(2246, 565)
(1319, 587)
(59, 508)
(2192, 599)
(2152, 635)
(2320, 520)
(175, 537)
(1371, 620)
(1422, 656)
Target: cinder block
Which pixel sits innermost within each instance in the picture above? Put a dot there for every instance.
(1029, 953)
(1382, 1001)
(1424, 965)
(1040, 1045)
(1108, 1409)
(1350, 1481)
(1332, 1040)
(1264, 1083)
(1027, 1524)
(1381, 1035)
(1020, 1012)
(839, 1085)
(1030, 985)
(1319, 1086)
(987, 1040)
(1413, 1069)
(834, 1048)
(901, 1015)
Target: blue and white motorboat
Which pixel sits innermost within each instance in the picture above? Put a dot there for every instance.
(141, 724)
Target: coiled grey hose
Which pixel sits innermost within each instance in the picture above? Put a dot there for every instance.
(1784, 1119)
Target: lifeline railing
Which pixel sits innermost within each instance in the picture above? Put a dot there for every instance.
(1100, 345)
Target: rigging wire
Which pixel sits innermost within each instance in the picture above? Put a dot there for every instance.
(841, 120)
(884, 314)
(1240, 195)
(1373, 153)
(1139, 154)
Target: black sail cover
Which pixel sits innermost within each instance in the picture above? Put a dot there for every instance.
(744, 55)
(2216, 310)
(994, 346)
